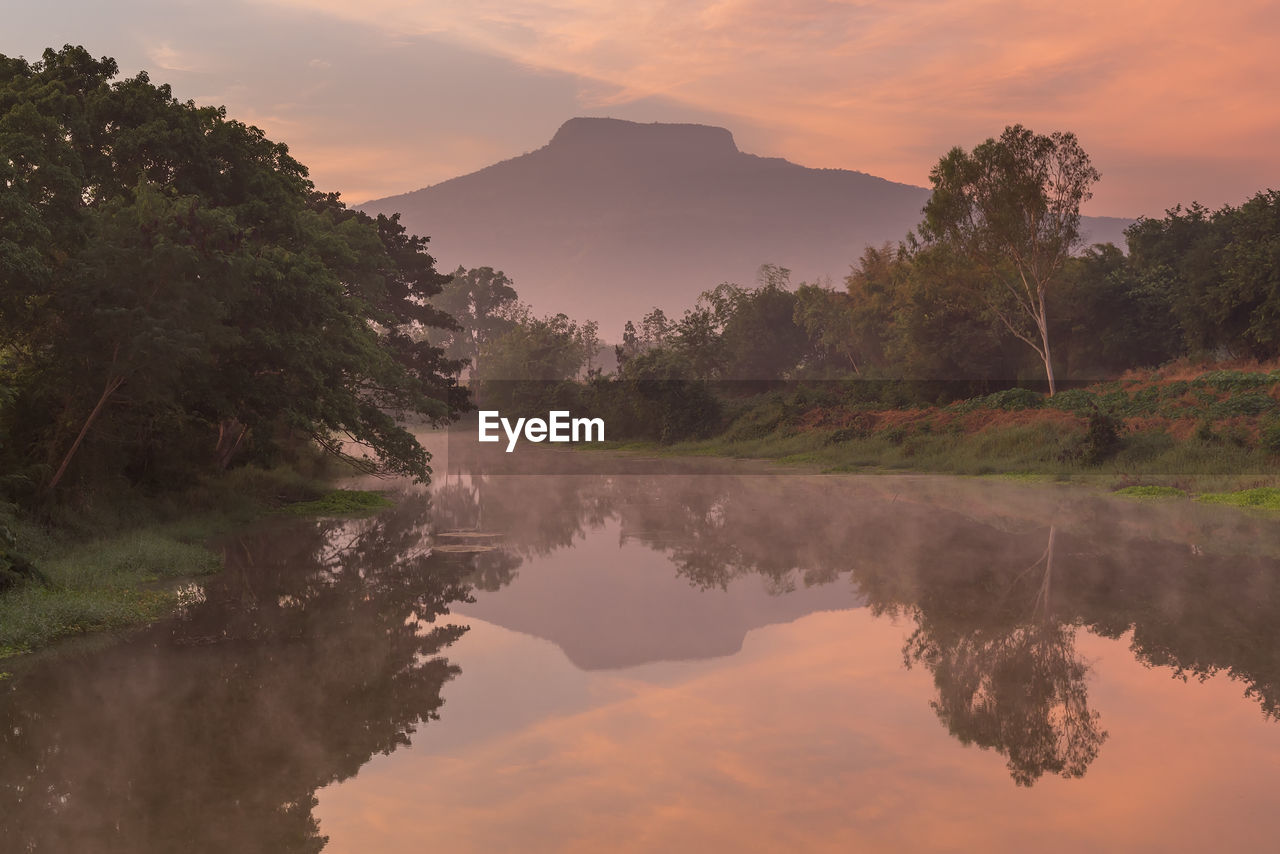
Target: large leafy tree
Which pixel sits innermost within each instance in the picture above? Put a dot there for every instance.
(176, 293)
(1012, 206)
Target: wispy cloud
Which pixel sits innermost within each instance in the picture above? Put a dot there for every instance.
(887, 85)
(166, 57)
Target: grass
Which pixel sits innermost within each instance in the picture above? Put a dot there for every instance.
(1152, 491)
(1159, 464)
(103, 564)
(1263, 498)
(99, 584)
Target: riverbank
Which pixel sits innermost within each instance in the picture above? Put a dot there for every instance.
(116, 563)
(1210, 432)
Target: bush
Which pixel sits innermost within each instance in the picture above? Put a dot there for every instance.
(1252, 404)
(1234, 381)
(1269, 437)
(1014, 398)
(1100, 442)
(1074, 400)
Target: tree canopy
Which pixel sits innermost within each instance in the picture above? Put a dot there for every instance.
(1012, 206)
(178, 296)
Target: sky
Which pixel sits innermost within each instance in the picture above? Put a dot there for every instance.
(1174, 100)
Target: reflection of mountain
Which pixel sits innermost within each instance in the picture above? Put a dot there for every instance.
(612, 218)
(322, 645)
(610, 604)
(996, 578)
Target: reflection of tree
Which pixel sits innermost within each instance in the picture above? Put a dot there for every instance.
(1021, 693)
(1008, 676)
(316, 650)
(1195, 612)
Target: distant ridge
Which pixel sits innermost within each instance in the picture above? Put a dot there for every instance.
(612, 217)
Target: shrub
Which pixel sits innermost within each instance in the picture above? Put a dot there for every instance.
(1251, 404)
(1074, 400)
(1014, 398)
(1269, 437)
(1233, 381)
(1100, 442)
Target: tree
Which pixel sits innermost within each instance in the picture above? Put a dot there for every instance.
(1219, 272)
(1112, 319)
(1013, 207)
(176, 292)
(761, 339)
(852, 329)
(483, 302)
(539, 349)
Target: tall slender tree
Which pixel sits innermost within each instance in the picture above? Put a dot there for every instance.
(1012, 206)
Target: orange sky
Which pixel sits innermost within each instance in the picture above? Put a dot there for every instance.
(1174, 100)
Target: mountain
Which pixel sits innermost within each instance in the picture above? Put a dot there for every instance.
(612, 218)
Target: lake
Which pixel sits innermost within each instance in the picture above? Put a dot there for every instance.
(726, 660)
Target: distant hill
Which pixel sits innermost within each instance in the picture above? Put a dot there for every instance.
(612, 218)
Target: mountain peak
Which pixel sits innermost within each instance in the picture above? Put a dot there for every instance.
(597, 134)
(612, 218)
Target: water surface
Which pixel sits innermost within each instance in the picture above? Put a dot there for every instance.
(640, 662)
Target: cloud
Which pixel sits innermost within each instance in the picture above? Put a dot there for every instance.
(1174, 100)
(811, 738)
(886, 86)
(165, 56)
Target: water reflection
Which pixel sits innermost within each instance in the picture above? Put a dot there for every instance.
(318, 649)
(322, 645)
(998, 580)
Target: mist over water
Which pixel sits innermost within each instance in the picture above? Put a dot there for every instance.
(709, 661)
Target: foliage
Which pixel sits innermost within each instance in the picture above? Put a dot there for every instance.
(484, 304)
(538, 349)
(96, 585)
(1106, 318)
(179, 298)
(1012, 207)
(1218, 271)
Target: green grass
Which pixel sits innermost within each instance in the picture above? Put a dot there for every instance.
(1264, 497)
(103, 561)
(1029, 451)
(1018, 450)
(98, 584)
(1152, 491)
(341, 502)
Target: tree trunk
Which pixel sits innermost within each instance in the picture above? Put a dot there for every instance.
(113, 383)
(1043, 323)
(230, 434)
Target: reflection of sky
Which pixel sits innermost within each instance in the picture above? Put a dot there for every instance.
(811, 738)
(1175, 101)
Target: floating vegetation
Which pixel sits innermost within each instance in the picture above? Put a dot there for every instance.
(341, 502)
